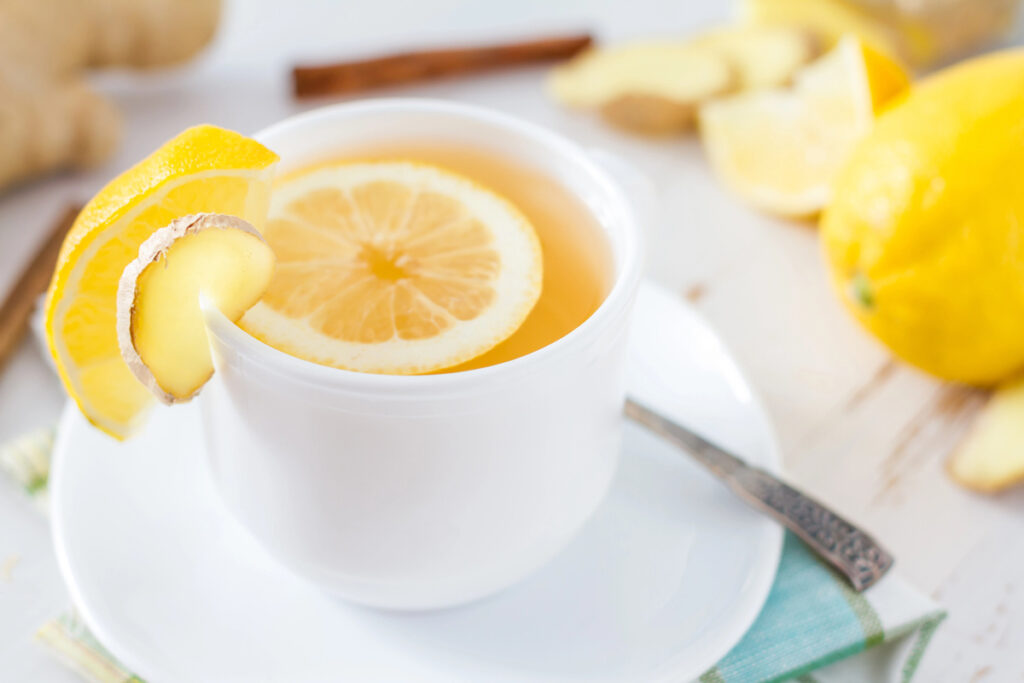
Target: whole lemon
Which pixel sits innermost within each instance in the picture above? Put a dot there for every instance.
(925, 231)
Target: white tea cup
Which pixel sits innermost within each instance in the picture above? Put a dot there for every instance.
(415, 492)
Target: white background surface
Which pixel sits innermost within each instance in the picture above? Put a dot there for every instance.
(861, 431)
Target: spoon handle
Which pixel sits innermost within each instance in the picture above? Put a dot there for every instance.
(853, 553)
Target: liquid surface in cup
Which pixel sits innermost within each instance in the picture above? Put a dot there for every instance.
(576, 256)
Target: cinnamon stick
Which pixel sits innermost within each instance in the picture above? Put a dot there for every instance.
(409, 67)
(17, 307)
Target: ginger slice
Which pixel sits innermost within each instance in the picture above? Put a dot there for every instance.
(763, 56)
(160, 326)
(991, 456)
(656, 88)
(652, 88)
(649, 114)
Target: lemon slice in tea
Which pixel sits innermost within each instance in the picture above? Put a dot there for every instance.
(394, 267)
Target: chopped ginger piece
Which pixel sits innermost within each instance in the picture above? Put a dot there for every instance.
(763, 56)
(160, 325)
(650, 88)
(991, 457)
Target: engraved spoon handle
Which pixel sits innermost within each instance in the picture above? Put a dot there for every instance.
(849, 550)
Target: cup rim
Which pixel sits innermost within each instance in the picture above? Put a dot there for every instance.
(628, 256)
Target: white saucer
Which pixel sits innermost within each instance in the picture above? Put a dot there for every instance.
(662, 582)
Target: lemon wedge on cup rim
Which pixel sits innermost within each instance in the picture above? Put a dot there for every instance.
(203, 169)
(393, 267)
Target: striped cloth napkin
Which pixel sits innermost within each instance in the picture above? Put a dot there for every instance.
(813, 628)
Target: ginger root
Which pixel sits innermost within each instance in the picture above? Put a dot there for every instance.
(48, 124)
(49, 118)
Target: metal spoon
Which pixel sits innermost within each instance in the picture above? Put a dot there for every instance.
(849, 550)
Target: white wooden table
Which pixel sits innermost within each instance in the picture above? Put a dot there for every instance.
(859, 430)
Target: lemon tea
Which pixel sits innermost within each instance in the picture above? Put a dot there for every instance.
(577, 269)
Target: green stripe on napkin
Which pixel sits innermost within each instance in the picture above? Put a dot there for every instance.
(71, 642)
(813, 619)
(865, 613)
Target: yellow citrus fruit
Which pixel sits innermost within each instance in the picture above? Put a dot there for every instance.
(204, 169)
(394, 267)
(779, 149)
(925, 234)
